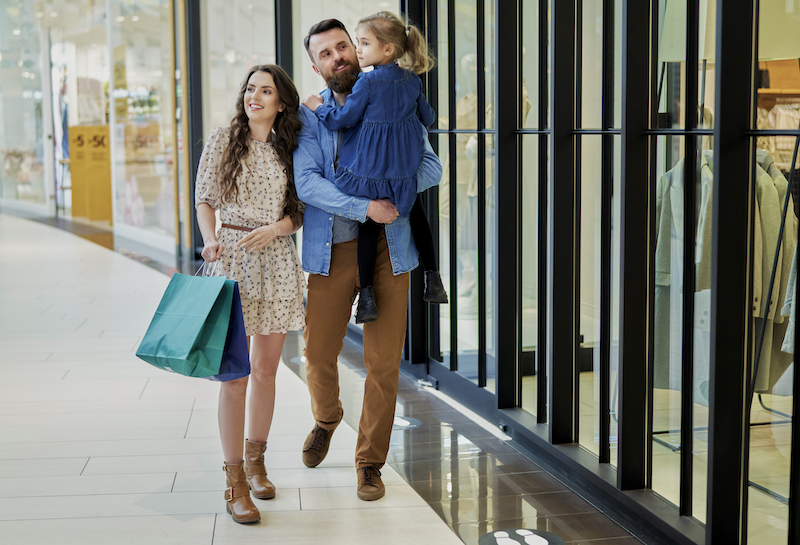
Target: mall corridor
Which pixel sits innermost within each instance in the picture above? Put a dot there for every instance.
(97, 446)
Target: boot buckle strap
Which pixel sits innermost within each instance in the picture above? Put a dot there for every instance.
(233, 492)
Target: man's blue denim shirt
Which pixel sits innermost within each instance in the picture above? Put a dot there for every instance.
(313, 170)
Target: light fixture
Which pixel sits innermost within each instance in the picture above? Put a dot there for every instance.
(16, 32)
(53, 14)
(39, 14)
(120, 19)
(135, 18)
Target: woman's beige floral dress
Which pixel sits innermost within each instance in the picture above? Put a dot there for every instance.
(271, 280)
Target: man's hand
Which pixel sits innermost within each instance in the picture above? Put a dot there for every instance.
(382, 211)
(312, 102)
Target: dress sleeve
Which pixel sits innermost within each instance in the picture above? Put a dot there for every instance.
(424, 110)
(349, 114)
(207, 186)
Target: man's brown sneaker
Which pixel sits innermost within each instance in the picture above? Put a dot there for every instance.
(316, 446)
(370, 486)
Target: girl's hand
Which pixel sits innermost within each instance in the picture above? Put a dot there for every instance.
(312, 102)
(212, 250)
(258, 238)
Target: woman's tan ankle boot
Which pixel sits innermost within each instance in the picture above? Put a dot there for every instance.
(261, 486)
(237, 494)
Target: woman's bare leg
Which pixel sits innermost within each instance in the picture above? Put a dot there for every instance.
(230, 415)
(264, 359)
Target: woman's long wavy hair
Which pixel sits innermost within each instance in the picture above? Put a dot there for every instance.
(284, 139)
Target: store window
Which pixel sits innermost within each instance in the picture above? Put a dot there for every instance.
(534, 116)
(777, 183)
(143, 70)
(22, 108)
(79, 58)
(598, 169)
(236, 35)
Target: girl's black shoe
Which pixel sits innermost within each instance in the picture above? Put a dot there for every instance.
(367, 310)
(434, 290)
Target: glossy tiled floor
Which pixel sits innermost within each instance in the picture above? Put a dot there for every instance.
(98, 447)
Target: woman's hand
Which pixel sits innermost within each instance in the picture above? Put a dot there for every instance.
(259, 238)
(312, 102)
(212, 250)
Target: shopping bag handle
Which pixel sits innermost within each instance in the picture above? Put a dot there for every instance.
(208, 269)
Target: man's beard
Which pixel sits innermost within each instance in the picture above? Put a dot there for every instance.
(342, 82)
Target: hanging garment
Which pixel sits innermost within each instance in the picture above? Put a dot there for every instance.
(668, 343)
(771, 188)
(790, 309)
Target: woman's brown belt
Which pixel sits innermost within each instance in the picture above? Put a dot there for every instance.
(237, 227)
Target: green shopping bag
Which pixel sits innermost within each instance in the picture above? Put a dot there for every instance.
(188, 332)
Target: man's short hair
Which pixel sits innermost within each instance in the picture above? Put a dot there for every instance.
(319, 28)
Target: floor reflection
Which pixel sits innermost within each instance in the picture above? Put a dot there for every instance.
(474, 480)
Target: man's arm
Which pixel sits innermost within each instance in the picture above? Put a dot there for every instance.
(309, 178)
(429, 173)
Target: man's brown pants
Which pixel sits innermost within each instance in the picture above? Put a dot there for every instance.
(328, 307)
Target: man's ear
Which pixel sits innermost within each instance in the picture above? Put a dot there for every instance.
(314, 67)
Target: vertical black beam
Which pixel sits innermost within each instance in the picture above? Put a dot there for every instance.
(481, 120)
(508, 270)
(606, 213)
(418, 310)
(431, 25)
(562, 274)
(690, 181)
(656, 86)
(578, 175)
(730, 293)
(543, 242)
(794, 467)
(195, 139)
(451, 114)
(283, 36)
(635, 246)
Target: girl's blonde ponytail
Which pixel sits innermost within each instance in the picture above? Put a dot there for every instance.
(418, 58)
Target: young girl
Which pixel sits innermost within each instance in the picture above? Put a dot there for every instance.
(380, 154)
(245, 173)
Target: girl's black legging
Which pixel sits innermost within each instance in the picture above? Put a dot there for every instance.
(369, 231)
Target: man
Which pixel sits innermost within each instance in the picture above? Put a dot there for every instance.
(330, 234)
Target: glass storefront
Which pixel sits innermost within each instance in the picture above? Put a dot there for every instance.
(89, 107)
(24, 175)
(144, 123)
(633, 387)
(236, 35)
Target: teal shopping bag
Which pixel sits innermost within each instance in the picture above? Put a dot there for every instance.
(188, 332)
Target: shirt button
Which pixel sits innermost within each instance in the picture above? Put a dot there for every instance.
(328, 244)
(331, 218)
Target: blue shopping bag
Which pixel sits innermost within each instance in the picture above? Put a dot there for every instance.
(235, 358)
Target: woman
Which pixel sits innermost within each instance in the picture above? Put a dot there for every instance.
(245, 173)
